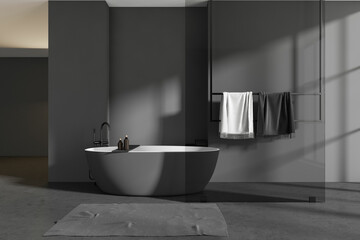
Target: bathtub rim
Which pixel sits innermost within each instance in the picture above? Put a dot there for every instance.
(157, 149)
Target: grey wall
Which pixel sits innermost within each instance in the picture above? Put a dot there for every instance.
(196, 92)
(293, 45)
(272, 47)
(158, 75)
(24, 106)
(78, 84)
(147, 75)
(342, 72)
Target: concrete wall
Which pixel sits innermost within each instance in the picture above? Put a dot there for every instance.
(78, 84)
(147, 75)
(342, 72)
(257, 50)
(158, 75)
(24, 106)
(146, 61)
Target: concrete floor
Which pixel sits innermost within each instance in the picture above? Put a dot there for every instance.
(29, 207)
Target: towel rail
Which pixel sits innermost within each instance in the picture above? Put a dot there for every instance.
(257, 93)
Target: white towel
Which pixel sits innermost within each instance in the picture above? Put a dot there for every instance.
(236, 115)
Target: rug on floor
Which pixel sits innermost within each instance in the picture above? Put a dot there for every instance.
(142, 219)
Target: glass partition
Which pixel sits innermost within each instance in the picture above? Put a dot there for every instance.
(263, 46)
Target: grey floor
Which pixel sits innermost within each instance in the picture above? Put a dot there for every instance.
(29, 207)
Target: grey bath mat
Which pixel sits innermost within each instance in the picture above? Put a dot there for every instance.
(99, 220)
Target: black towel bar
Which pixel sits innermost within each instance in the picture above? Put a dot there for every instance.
(257, 93)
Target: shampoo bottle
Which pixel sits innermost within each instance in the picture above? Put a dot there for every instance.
(126, 143)
(120, 145)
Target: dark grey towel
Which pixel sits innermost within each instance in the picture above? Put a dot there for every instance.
(275, 114)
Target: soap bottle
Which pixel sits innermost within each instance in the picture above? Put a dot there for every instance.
(120, 145)
(126, 143)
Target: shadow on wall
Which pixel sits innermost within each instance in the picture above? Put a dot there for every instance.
(263, 167)
(265, 58)
(296, 155)
(158, 63)
(266, 35)
(147, 75)
(301, 17)
(253, 53)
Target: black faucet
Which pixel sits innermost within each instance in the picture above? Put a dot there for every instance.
(102, 142)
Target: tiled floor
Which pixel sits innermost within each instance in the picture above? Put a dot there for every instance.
(29, 207)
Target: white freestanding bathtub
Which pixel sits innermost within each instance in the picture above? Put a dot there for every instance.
(152, 170)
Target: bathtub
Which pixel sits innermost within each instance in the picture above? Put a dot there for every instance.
(152, 170)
